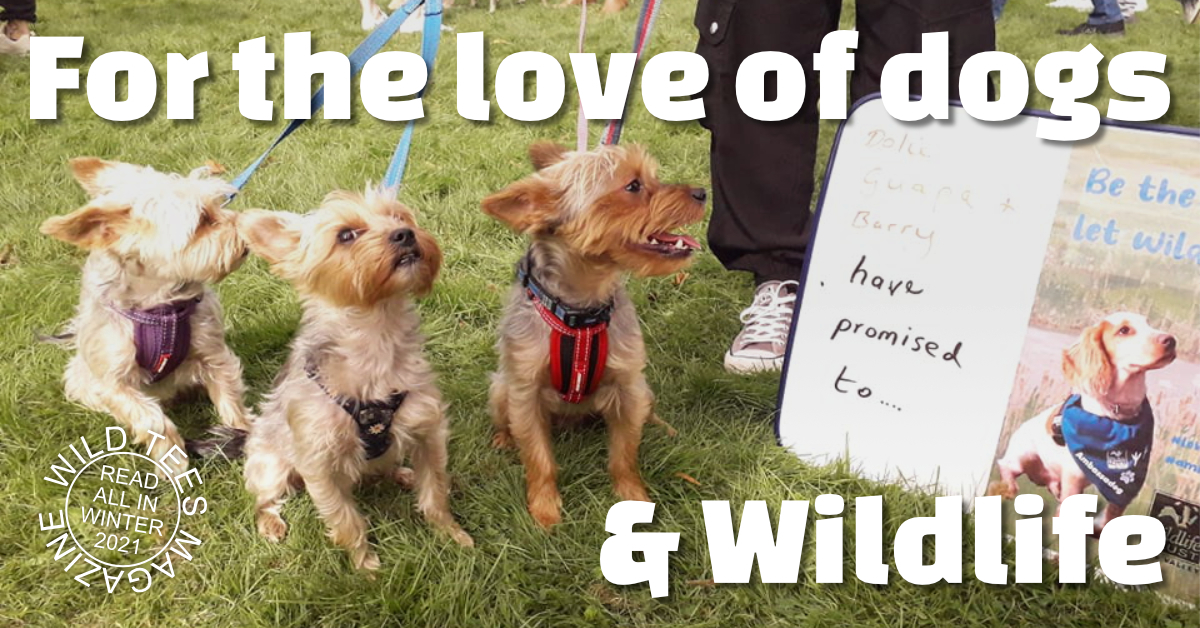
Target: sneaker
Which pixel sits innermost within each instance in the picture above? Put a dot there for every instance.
(1191, 9)
(18, 47)
(763, 340)
(1115, 29)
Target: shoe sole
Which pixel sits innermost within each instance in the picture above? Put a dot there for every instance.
(748, 366)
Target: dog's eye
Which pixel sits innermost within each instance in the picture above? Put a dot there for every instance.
(346, 236)
(634, 187)
(1124, 330)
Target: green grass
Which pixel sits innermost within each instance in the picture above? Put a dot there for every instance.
(517, 574)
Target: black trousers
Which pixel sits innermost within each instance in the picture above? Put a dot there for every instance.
(24, 10)
(762, 172)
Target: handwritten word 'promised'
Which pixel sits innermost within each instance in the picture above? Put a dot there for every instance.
(664, 97)
(779, 552)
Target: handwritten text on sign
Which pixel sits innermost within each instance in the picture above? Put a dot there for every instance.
(921, 278)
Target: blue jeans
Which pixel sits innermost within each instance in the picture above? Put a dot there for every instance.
(998, 8)
(1105, 12)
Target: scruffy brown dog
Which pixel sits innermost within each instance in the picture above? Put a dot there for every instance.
(570, 342)
(148, 326)
(356, 394)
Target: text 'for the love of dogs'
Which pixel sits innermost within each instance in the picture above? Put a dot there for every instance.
(779, 550)
(664, 96)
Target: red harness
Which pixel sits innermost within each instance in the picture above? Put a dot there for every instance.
(578, 339)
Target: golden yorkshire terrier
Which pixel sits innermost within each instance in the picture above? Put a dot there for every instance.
(570, 342)
(356, 394)
(147, 325)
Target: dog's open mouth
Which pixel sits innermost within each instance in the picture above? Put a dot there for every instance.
(406, 259)
(670, 244)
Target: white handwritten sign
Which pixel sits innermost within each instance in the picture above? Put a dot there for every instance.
(924, 263)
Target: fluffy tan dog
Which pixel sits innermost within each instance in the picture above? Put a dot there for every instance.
(356, 394)
(147, 326)
(593, 216)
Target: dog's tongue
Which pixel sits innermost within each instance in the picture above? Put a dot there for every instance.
(672, 238)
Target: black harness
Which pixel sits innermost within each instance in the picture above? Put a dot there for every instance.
(373, 418)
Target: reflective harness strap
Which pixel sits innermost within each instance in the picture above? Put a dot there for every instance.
(578, 338)
(577, 355)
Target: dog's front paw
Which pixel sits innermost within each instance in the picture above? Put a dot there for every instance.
(272, 527)
(171, 454)
(546, 510)
(404, 477)
(365, 560)
(632, 491)
(503, 439)
(460, 536)
(242, 420)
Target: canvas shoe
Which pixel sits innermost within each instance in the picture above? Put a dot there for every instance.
(18, 47)
(761, 344)
(1191, 9)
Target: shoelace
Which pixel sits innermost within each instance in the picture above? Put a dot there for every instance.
(769, 317)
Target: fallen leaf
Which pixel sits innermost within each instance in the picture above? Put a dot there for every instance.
(681, 277)
(688, 478)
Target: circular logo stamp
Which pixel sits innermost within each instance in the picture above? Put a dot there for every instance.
(124, 514)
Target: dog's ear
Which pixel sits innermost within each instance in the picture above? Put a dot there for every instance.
(271, 235)
(545, 154)
(97, 176)
(1086, 364)
(90, 227)
(528, 206)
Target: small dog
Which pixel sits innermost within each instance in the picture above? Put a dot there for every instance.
(570, 342)
(1103, 433)
(356, 393)
(147, 325)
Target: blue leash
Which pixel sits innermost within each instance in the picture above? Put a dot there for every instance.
(430, 38)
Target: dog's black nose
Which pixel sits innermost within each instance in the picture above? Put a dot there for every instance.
(403, 237)
(699, 194)
(1167, 340)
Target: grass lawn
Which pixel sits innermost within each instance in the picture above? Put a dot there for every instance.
(517, 574)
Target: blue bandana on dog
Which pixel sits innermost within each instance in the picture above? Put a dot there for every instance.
(1114, 455)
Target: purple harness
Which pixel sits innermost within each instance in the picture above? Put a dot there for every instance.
(162, 336)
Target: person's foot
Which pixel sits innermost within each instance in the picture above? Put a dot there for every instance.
(1114, 29)
(765, 324)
